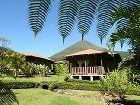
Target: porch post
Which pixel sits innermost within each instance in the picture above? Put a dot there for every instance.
(85, 63)
(101, 61)
(91, 78)
(80, 77)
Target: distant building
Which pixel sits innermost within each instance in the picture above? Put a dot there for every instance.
(38, 59)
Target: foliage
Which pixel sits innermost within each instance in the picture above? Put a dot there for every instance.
(115, 83)
(61, 69)
(79, 86)
(42, 70)
(128, 32)
(71, 10)
(128, 64)
(83, 81)
(21, 85)
(11, 61)
(7, 96)
(66, 78)
(67, 18)
(38, 10)
(31, 68)
(133, 90)
(53, 85)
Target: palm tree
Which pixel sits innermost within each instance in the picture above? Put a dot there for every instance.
(83, 11)
(127, 21)
(7, 96)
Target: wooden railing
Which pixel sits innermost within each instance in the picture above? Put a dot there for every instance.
(96, 70)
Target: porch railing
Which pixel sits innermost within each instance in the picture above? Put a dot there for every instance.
(96, 70)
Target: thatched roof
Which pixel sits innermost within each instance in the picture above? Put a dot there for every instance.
(37, 55)
(80, 46)
(86, 52)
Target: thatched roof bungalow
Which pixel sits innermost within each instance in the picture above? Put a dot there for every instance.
(92, 63)
(38, 59)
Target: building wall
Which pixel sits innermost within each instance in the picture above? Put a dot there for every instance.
(108, 61)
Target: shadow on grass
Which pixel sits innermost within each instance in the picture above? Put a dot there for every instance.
(127, 102)
(132, 102)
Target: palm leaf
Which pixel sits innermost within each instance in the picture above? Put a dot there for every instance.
(7, 96)
(129, 3)
(66, 16)
(37, 13)
(86, 15)
(105, 9)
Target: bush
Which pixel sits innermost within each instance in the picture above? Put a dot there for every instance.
(133, 90)
(83, 81)
(115, 84)
(53, 85)
(78, 86)
(21, 85)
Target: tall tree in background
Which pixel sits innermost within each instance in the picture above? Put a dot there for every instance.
(127, 21)
(81, 10)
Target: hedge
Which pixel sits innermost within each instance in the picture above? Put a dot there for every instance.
(83, 81)
(21, 85)
(78, 86)
(70, 84)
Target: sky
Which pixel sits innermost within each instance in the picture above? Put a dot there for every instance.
(14, 26)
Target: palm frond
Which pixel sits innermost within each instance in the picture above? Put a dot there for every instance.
(122, 23)
(105, 9)
(66, 16)
(7, 96)
(120, 36)
(129, 3)
(37, 13)
(86, 15)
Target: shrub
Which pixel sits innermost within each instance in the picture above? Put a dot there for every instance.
(133, 90)
(78, 86)
(115, 84)
(53, 85)
(83, 81)
(22, 85)
(61, 69)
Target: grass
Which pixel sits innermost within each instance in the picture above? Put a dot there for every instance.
(33, 79)
(46, 97)
(73, 97)
(38, 96)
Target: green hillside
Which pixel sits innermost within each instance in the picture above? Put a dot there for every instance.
(80, 46)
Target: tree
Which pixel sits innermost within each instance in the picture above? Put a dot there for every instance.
(83, 11)
(7, 96)
(14, 61)
(127, 21)
(61, 69)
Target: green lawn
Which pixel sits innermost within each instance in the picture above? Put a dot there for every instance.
(46, 97)
(73, 97)
(34, 79)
